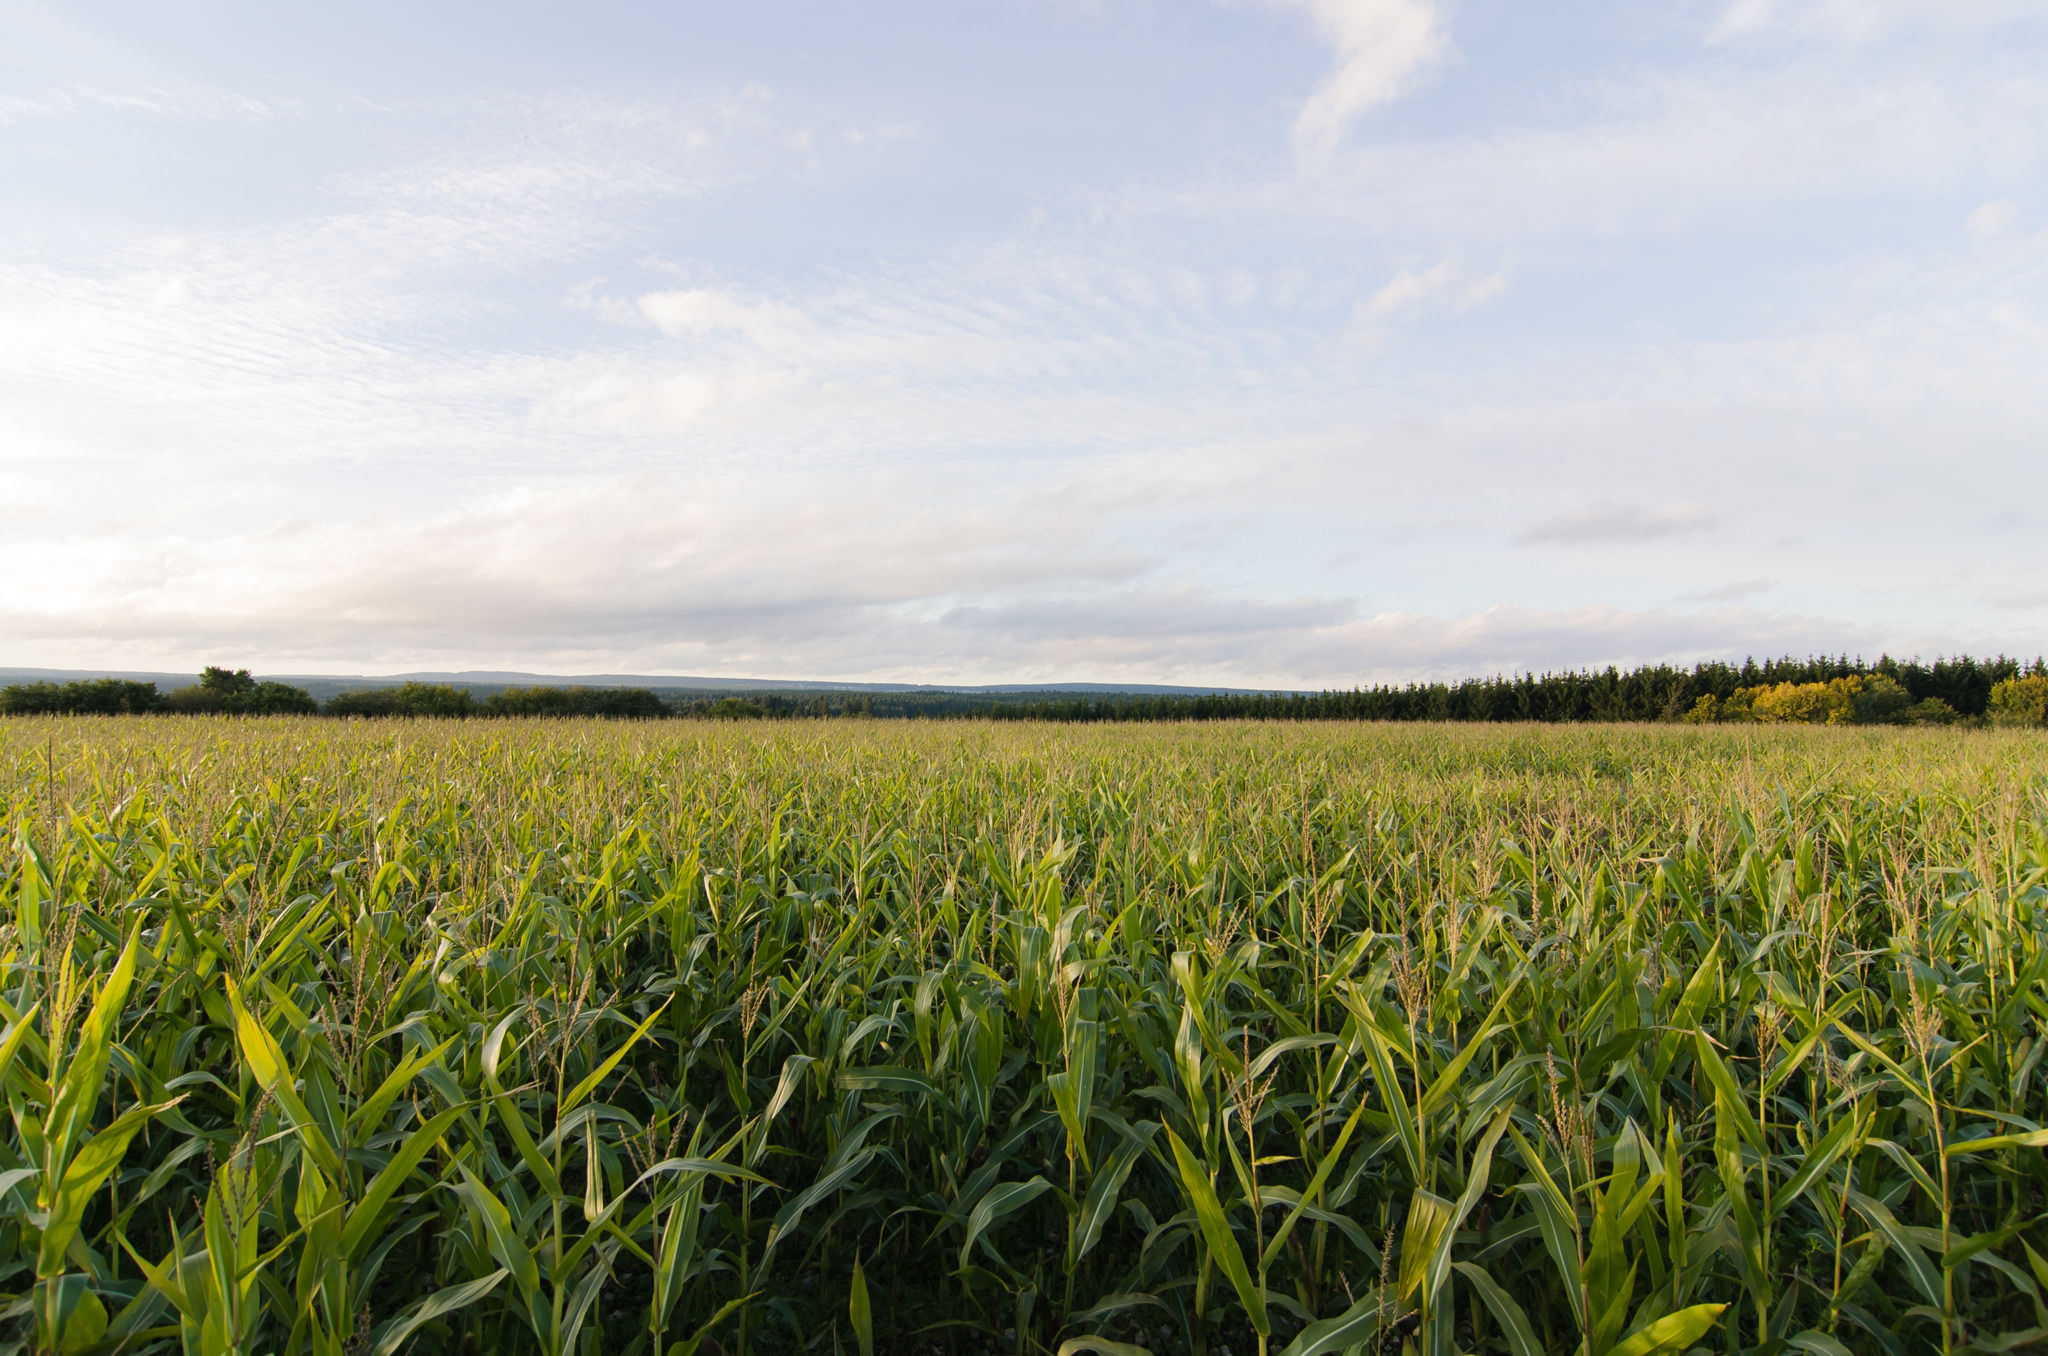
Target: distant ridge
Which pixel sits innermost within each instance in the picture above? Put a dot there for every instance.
(486, 681)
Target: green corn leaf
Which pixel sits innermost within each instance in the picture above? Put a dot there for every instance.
(391, 1337)
(2034, 1139)
(369, 1114)
(1427, 1228)
(1188, 1058)
(85, 1324)
(1818, 1160)
(14, 1177)
(1734, 1171)
(581, 1301)
(505, 1245)
(12, 1039)
(1359, 1324)
(90, 1166)
(858, 1311)
(787, 1217)
(695, 1342)
(1926, 1279)
(77, 1090)
(1446, 1082)
(1706, 978)
(368, 1213)
(1730, 1102)
(1109, 1305)
(678, 1252)
(881, 1078)
(1554, 1223)
(1103, 1192)
(1380, 1054)
(696, 1167)
(1672, 1332)
(1314, 1189)
(785, 1087)
(1513, 1320)
(509, 1113)
(265, 1058)
(1215, 1228)
(1285, 1046)
(2038, 1264)
(1004, 1198)
(574, 1097)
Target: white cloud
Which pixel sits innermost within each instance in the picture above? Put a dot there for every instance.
(1382, 48)
(700, 311)
(1861, 20)
(1408, 289)
(1479, 291)
(1993, 219)
(1412, 289)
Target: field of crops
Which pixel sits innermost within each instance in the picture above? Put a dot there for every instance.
(853, 1037)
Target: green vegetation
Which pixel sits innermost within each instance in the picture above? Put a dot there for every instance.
(233, 692)
(1888, 692)
(407, 699)
(1818, 691)
(218, 692)
(2021, 702)
(335, 1037)
(1857, 700)
(442, 699)
(93, 697)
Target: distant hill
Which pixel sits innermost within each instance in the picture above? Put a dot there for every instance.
(483, 682)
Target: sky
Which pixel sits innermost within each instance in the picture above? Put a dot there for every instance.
(1292, 343)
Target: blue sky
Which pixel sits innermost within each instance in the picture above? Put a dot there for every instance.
(1298, 343)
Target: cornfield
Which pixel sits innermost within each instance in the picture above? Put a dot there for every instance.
(850, 1037)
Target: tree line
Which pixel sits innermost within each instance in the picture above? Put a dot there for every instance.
(445, 699)
(218, 692)
(221, 691)
(1888, 691)
(1819, 690)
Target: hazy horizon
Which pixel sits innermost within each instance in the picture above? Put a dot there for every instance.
(1260, 344)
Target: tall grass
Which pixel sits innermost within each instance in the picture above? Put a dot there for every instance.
(571, 1038)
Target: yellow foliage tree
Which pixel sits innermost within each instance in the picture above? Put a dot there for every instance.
(2020, 701)
(1829, 703)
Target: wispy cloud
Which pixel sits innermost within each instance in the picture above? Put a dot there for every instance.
(1615, 522)
(187, 104)
(1659, 151)
(1382, 47)
(1861, 20)
(1993, 219)
(1730, 592)
(1411, 289)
